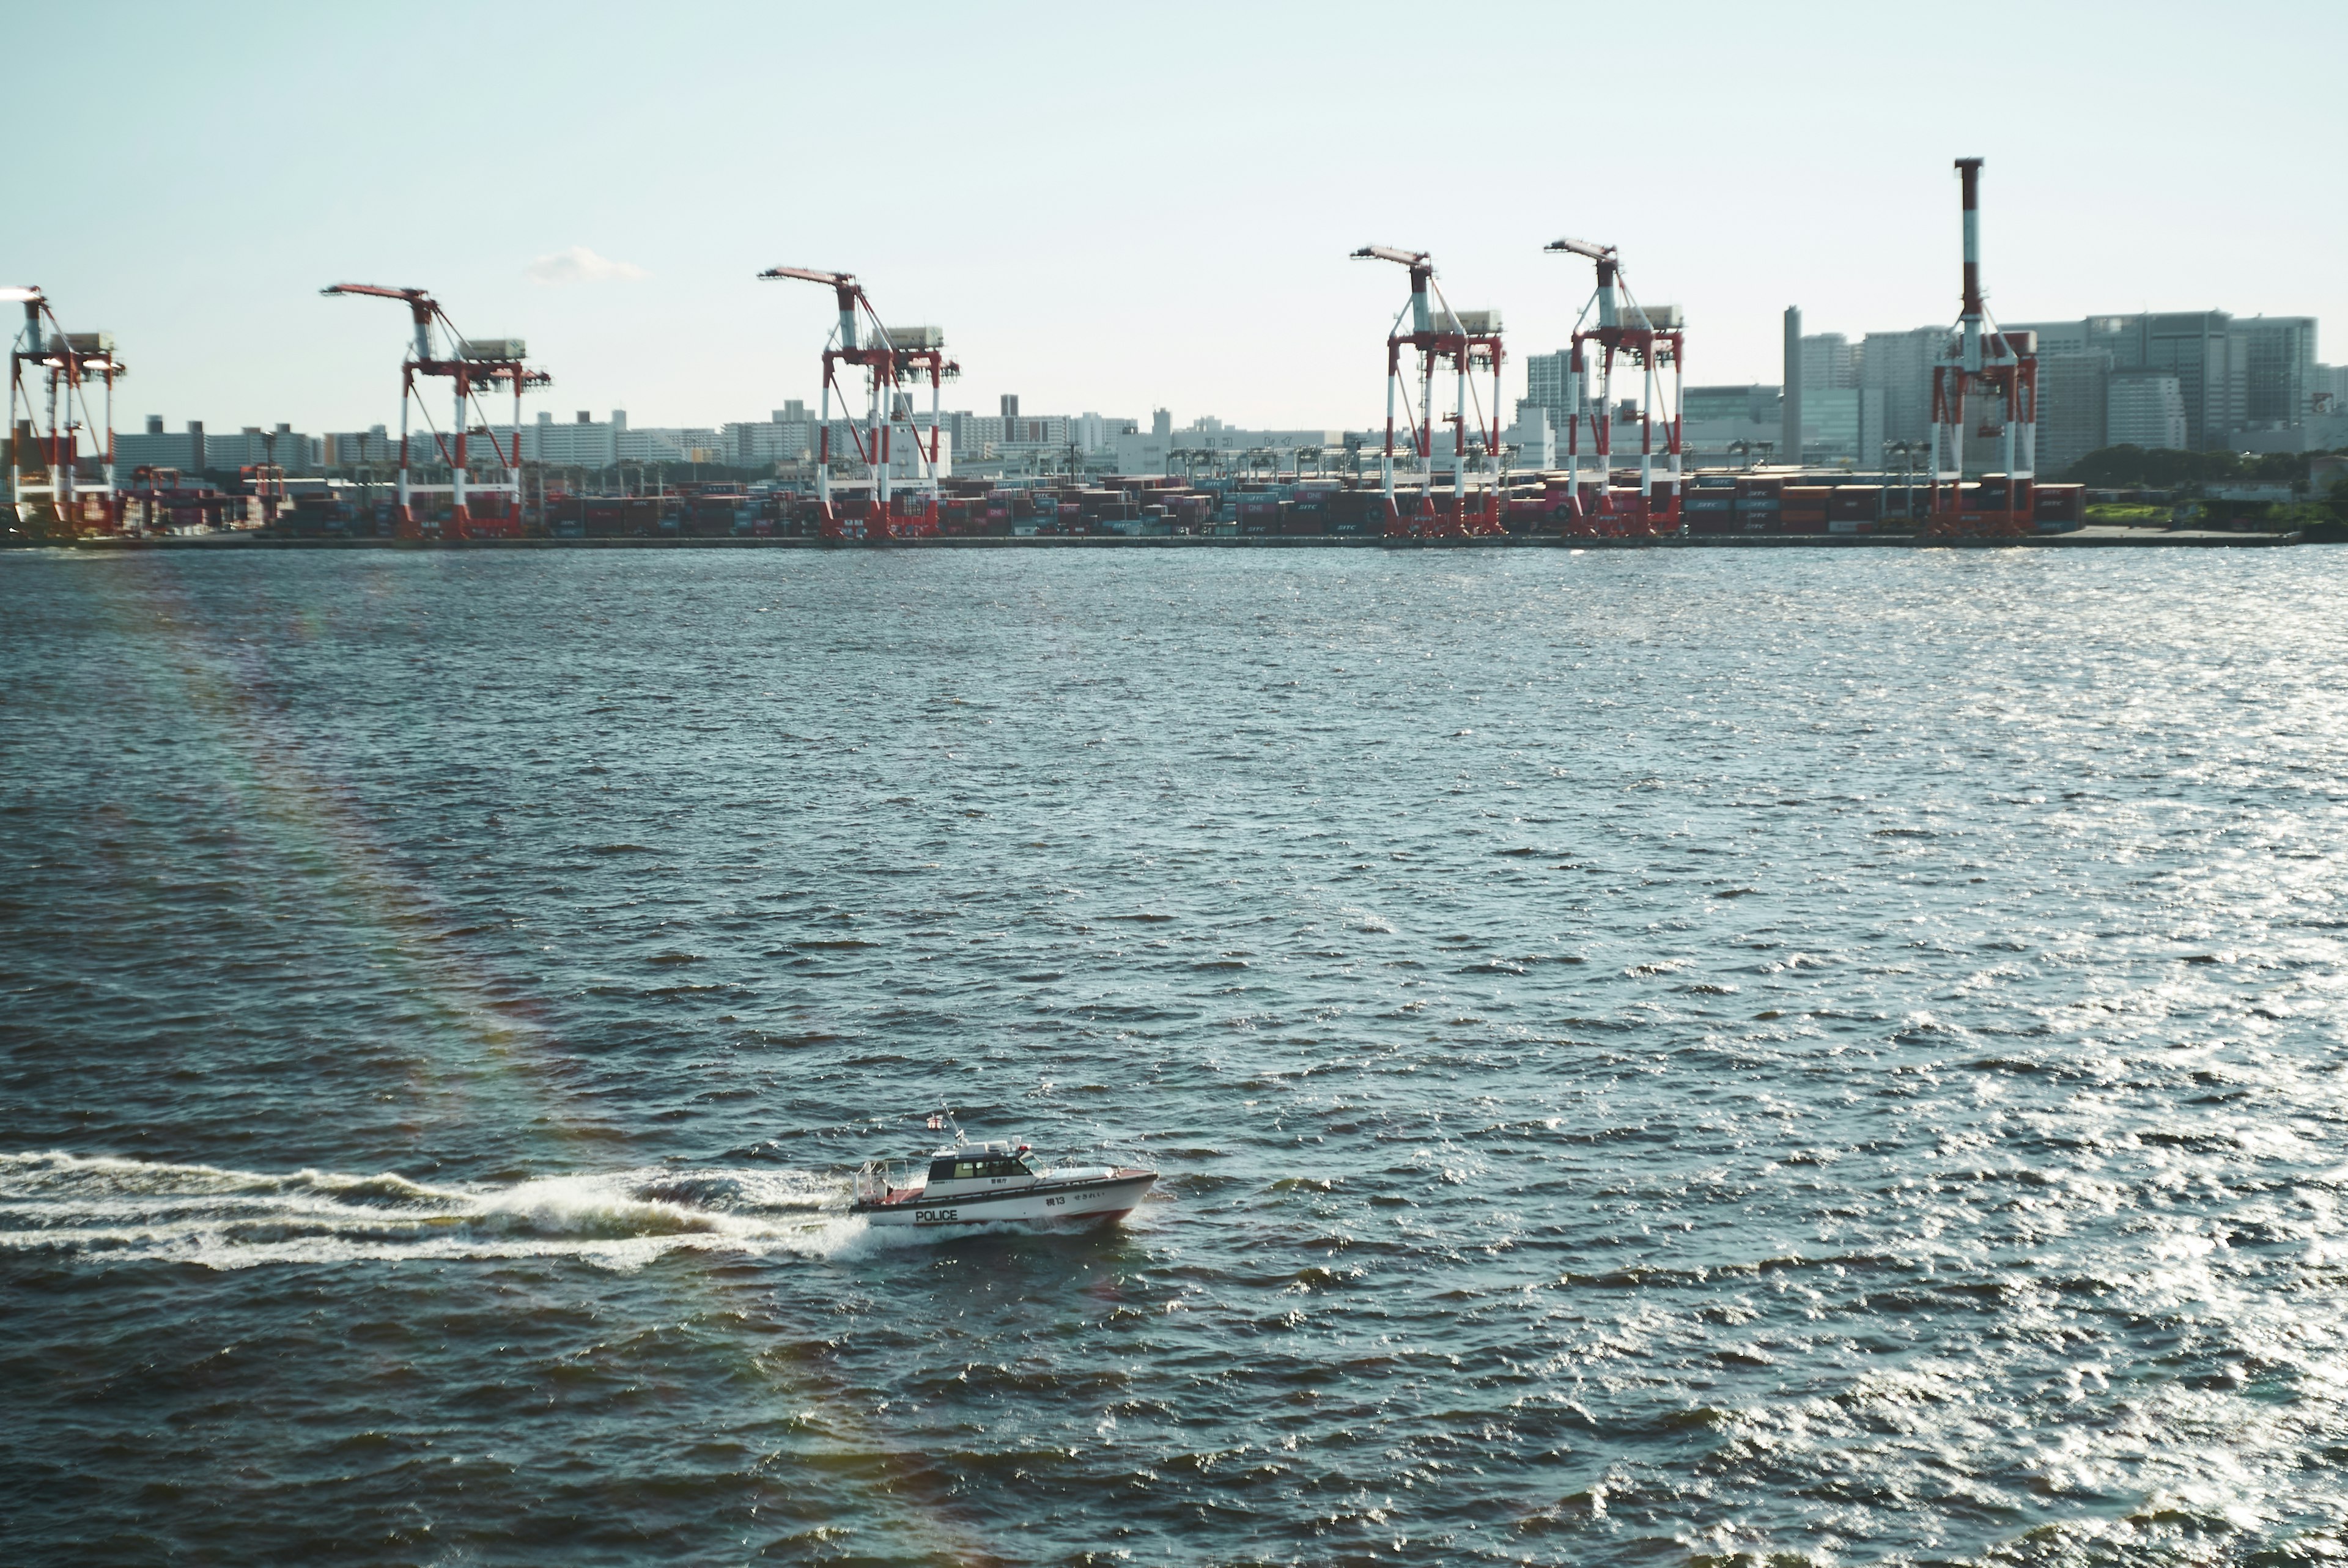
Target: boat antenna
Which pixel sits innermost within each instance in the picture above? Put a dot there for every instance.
(941, 1119)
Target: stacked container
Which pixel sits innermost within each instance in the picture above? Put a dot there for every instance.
(2059, 509)
(1710, 507)
(1854, 509)
(1992, 489)
(1803, 508)
(1260, 512)
(1758, 501)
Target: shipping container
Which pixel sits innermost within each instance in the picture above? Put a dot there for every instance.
(2058, 508)
(1855, 503)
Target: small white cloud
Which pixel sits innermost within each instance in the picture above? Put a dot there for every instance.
(581, 265)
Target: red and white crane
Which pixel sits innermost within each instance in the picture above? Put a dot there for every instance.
(1624, 331)
(63, 364)
(1468, 341)
(1999, 371)
(474, 365)
(889, 357)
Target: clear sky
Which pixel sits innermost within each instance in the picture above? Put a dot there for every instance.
(1120, 207)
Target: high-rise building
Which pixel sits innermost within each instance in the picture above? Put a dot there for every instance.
(1727, 423)
(1899, 366)
(2198, 348)
(2147, 408)
(1755, 404)
(2074, 408)
(1843, 424)
(1549, 381)
(2206, 354)
(1830, 363)
(2276, 368)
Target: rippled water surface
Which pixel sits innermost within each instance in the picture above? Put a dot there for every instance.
(1755, 1056)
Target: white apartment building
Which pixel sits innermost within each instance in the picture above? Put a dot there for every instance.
(155, 447)
(1830, 363)
(1549, 381)
(2146, 409)
(1533, 437)
(582, 443)
(754, 444)
(1148, 453)
(253, 446)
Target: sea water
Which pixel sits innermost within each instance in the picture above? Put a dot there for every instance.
(1757, 1056)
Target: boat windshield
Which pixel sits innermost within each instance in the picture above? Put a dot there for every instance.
(980, 1168)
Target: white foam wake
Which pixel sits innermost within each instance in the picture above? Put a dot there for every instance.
(104, 1208)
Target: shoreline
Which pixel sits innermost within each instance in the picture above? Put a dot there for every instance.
(2093, 536)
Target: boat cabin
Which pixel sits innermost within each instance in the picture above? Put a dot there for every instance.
(980, 1168)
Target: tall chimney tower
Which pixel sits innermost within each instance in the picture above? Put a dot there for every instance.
(1969, 171)
(1789, 443)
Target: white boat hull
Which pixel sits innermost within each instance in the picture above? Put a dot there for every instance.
(1092, 1200)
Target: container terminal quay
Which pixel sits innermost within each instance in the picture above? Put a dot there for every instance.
(1598, 454)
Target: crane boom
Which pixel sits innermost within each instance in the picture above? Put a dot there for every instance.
(417, 297)
(1388, 253)
(811, 275)
(1584, 248)
(470, 372)
(421, 308)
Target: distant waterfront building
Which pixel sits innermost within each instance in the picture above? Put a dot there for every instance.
(1009, 434)
(2234, 373)
(1898, 364)
(2327, 390)
(2074, 388)
(253, 446)
(2147, 408)
(1138, 452)
(1843, 424)
(2193, 347)
(1729, 423)
(1753, 404)
(342, 450)
(580, 442)
(1533, 437)
(2276, 368)
(786, 436)
(156, 447)
(1830, 363)
(1549, 381)
(690, 443)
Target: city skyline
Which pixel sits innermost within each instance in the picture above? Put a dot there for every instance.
(1144, 224)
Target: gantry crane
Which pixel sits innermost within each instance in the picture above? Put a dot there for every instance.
(1658, 352)
(474, 365)
(1988, 364)
(1469, 339)
(889, 357)
(63, 363)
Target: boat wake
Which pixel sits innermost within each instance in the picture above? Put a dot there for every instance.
(106, 1209)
